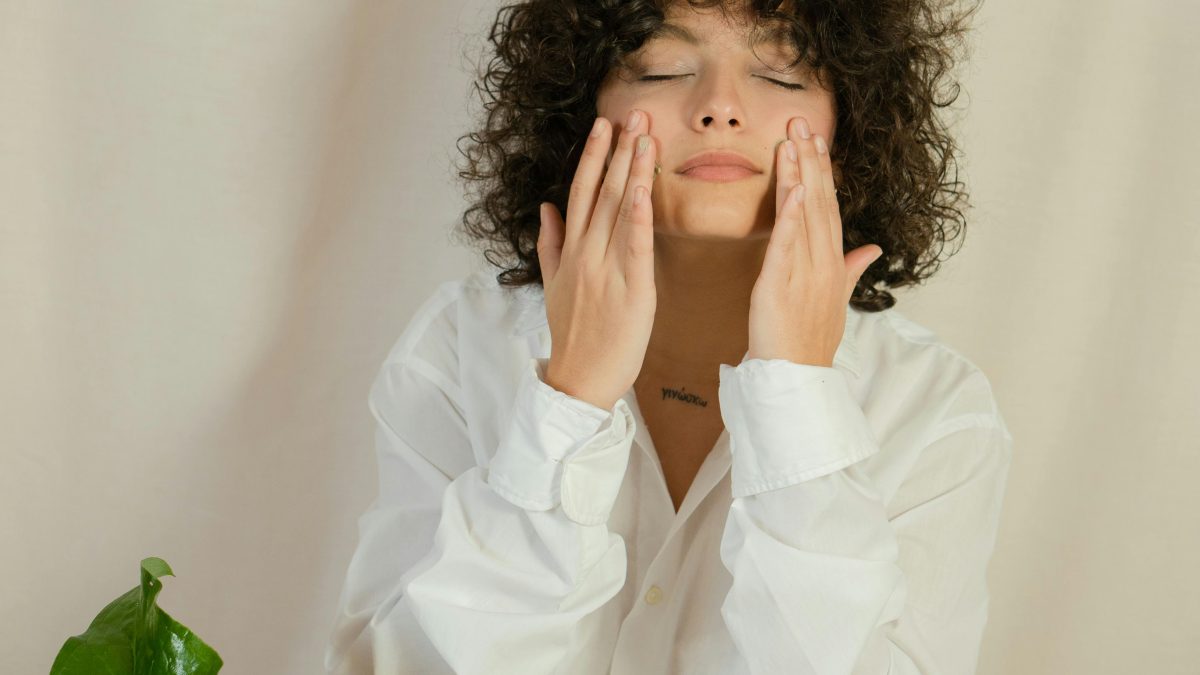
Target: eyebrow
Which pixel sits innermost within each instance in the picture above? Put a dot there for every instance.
(775, 35)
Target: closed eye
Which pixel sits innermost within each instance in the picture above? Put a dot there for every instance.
(659, 78)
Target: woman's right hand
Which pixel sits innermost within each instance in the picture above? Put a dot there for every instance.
(598, 268)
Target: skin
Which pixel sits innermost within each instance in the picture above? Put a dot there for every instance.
(753, 266)
(701, 272)
(723, 100)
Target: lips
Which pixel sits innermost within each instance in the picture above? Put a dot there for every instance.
(718, 158)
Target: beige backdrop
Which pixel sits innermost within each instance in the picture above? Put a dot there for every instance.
(216, 217)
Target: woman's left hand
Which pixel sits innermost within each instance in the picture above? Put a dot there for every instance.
(798, 305)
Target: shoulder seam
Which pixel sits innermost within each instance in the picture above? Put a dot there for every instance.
(437, 302)
(937, 343)
(422, 368)
(978, 421)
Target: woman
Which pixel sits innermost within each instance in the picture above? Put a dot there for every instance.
(630, 501)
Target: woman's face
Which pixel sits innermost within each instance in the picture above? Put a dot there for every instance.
(718, 95)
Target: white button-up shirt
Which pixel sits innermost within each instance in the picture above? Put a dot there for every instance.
(842, 523)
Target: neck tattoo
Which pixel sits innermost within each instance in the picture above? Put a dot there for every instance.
(681, 394)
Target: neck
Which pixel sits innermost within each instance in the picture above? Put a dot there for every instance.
(703, 303)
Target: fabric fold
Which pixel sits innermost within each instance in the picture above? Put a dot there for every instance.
(561, 450)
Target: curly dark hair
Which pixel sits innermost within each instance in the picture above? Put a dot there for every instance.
(888, 63)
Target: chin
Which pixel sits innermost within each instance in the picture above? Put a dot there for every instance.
(716, 217)
(713, 229)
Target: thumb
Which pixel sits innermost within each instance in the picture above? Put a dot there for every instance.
(550, 241)
(857, 262)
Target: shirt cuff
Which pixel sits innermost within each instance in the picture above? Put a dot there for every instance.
(788, 423)
(559, 449)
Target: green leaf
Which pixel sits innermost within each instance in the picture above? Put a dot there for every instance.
(133, 636)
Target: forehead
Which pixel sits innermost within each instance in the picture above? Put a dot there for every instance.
(698, 27)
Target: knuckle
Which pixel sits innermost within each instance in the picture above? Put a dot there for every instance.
(582, 183)
(639, 247)
(626, 212)
(596, 156)
(578, 190)
(611, 192)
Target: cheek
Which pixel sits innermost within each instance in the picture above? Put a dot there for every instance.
(828, 130)
(828, 123)
(615, 104)
(617, 110)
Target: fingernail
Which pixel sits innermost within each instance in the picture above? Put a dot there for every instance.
(821, 145)
(798, 193)
(634, 116)
(642, 144)
(804, 133)
(791, 150)
(596, 128)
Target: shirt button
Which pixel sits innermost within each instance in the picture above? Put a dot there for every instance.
(653, 595)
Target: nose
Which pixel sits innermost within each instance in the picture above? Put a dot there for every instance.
(718, 120)
(718, 103)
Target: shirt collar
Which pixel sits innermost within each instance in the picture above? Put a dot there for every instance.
(530, 302)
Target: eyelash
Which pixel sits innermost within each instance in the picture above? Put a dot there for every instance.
(659, 78)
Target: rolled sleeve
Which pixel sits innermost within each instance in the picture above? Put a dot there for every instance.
(561, 450)
(801, 421)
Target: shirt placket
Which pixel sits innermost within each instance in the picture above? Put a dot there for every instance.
(646, 635)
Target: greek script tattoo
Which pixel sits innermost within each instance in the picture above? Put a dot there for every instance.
(682, 395)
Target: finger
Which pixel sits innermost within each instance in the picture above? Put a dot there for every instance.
(586, 181)
(857, 262)
(612, 191)
(550, 241)
(815, 207)
(787, 247)
(633, 236)
(787, 171)
(830, 190)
